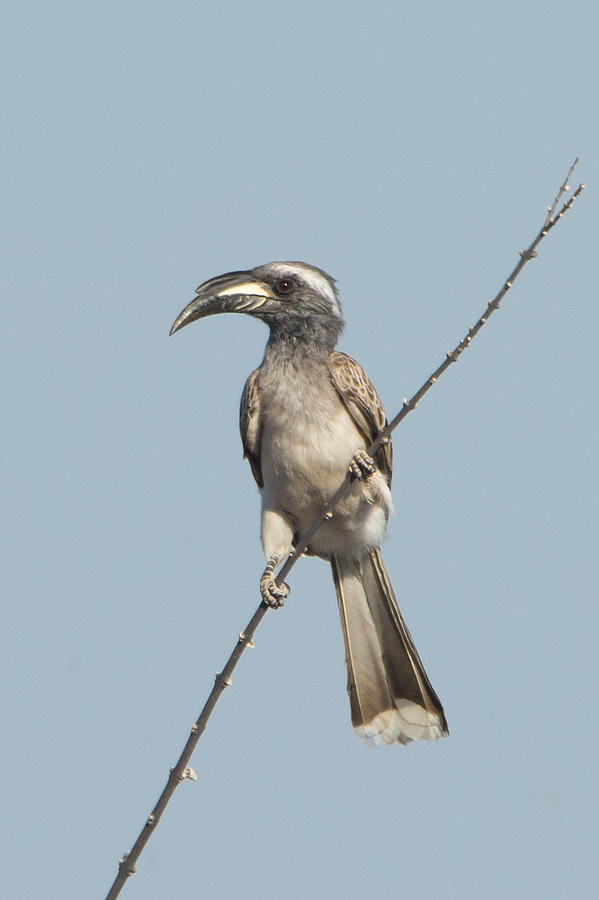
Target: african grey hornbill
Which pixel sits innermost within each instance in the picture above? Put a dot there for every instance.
(308, 413)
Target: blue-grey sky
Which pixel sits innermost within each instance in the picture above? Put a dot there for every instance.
(410, 150)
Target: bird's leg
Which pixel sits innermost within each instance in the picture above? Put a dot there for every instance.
(273, 594)
(361, 466)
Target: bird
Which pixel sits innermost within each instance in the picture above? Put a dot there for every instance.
(308, 414)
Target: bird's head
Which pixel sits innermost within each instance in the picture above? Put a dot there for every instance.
(296, 300)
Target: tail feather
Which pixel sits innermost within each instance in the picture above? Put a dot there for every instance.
(391, 698)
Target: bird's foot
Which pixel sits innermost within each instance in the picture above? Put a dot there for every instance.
(273, 594)
(361, 466)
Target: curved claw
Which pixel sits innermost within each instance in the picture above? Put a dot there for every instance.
(361, 466)
(273, 594)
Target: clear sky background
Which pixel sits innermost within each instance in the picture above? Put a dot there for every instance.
(411, 151)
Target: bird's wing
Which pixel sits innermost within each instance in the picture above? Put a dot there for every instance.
(250, 425)
(362, 403)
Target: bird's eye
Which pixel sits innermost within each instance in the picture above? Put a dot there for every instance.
(284, 286)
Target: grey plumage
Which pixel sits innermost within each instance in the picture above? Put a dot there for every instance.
(307, 413)
(390, 696)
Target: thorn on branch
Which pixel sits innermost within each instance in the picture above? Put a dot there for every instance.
(122, 862)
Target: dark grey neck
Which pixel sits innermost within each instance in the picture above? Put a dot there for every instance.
(308, 334)
(282, 356)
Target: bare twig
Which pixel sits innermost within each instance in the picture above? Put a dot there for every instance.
(181, 769)
(562, 190)
(450, 357)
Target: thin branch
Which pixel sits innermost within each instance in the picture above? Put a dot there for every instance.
(450, 357)
(562, 190)
(181, 769)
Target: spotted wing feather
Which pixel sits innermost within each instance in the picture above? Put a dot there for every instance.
(363, 404)
(250, 426)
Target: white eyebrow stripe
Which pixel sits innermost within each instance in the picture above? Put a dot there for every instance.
(314, 279)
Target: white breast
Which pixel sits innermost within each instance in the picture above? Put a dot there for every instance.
(308, 440)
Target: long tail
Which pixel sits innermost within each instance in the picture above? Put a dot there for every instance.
(390, 696)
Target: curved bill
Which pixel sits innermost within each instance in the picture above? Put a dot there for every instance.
(234, 292)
